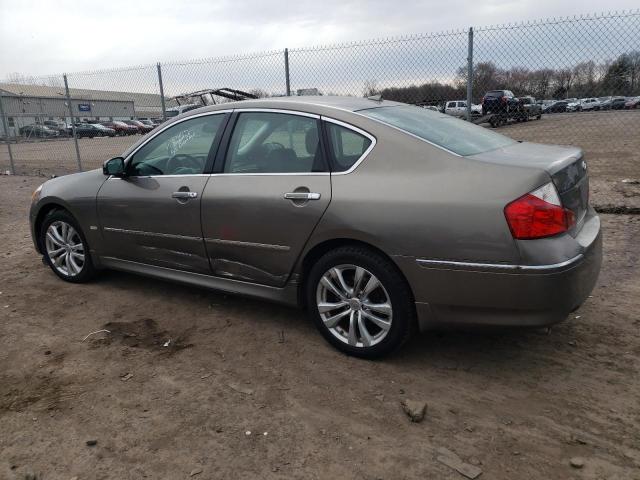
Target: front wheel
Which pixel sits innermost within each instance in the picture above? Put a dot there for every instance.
(360, 302)
(65, 248)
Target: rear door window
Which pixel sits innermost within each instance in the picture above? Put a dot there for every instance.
(346, 146)
(265, 142)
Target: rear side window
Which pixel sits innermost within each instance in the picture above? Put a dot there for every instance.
(346, 146)
(456, 135)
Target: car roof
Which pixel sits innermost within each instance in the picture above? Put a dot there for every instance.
(304, 103)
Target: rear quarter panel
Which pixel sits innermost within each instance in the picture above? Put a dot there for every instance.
(410, 198)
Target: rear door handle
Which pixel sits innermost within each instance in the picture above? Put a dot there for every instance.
(184, 195)
(302, 196)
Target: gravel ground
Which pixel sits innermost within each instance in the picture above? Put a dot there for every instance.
(247, 389)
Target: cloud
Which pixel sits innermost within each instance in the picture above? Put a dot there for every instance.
(40, 37)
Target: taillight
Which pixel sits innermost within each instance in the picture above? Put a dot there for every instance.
(482, 100)
(538, 214)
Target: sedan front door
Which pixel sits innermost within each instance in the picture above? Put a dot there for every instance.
(152, 215)
(271, 190)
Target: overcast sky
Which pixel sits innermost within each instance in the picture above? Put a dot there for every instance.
(53, 36)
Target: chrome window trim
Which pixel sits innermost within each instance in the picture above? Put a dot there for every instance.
(111, 177)
(282, 174)
(166, 127)
(427, 263)
(277, 110)
(357, 130)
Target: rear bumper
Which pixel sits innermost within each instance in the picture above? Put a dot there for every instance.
(467, 293)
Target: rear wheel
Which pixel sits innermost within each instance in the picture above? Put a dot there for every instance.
(360, 302)
(65, 248)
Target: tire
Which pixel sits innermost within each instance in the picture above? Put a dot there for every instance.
(391, 297)
(75, 270)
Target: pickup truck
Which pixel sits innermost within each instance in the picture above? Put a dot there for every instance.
(530, 108)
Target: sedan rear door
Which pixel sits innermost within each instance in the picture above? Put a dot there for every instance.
(271, 189)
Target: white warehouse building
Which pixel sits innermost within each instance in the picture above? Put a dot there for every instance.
(33, 104)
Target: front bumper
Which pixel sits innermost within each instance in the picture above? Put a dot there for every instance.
(468, 293)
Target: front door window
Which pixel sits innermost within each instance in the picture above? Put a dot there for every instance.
(182, 149)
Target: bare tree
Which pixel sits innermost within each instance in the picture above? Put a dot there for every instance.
(370, 88)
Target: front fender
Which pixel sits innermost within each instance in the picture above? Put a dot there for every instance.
(75, 193)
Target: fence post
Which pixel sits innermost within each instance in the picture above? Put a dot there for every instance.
(73, 125)
(5, 126)
(470, 74)
(286, 71)
(164, 110)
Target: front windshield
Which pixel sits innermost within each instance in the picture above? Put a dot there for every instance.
(448, 132)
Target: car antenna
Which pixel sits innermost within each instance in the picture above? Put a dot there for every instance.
(375, 98)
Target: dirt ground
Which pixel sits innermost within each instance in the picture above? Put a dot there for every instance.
(518, 405)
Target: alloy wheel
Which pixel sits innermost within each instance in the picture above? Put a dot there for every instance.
(65, 248)
(354, 305)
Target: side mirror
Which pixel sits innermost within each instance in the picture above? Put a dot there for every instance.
(114, 166)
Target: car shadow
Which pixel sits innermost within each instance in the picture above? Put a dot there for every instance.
(477, 349)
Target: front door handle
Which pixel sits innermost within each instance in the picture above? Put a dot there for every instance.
(184, 195)
(302, 196)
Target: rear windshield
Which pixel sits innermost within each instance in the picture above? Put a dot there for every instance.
(448, 132)
(495, 93)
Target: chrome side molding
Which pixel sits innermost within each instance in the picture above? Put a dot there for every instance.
(503, 267)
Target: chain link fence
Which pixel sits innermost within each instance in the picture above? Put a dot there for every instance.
(568, 81)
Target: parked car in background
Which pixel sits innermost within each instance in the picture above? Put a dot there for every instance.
(617, 103)
(555, 107)
(120, 128)
(633, 102)
(605, 102)
(572, 104)
(458, 108)
(588, 104)
(531, 108)
(57, 126)
(106, 131)
(142, 128)
(289, 221)
(499, 101)
(37, 131)
(89, 130)
(148, 123)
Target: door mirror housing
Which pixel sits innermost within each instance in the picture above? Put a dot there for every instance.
(114, 166)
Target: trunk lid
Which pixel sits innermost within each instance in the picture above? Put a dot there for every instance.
(565, 166)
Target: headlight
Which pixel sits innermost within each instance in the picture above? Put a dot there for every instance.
(35, 196)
